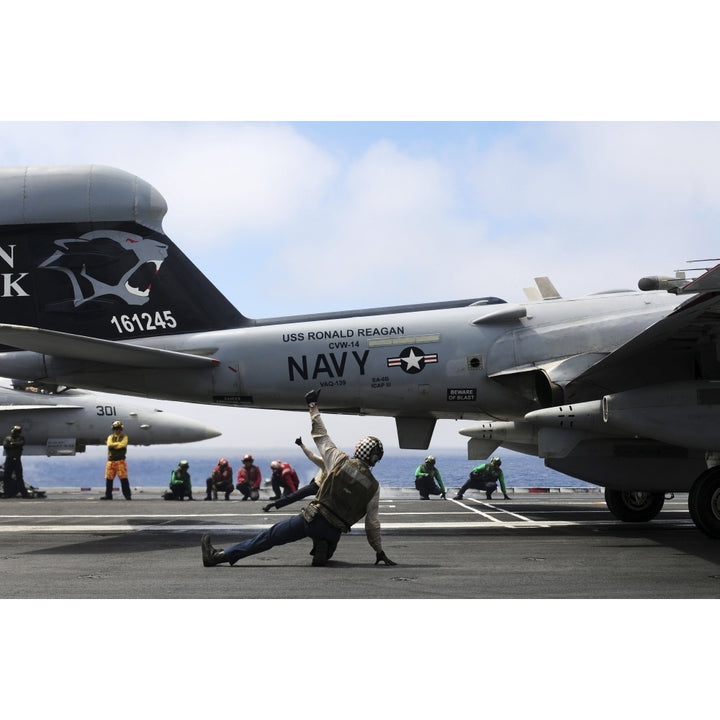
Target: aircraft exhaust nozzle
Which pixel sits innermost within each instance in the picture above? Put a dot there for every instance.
(653, 412)
(649, 412)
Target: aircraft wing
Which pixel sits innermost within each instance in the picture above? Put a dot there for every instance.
(663, 353)
(79, 347)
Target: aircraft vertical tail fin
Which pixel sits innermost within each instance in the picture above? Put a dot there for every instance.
(82, 251)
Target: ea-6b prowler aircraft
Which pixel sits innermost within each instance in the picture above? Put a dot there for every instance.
(65, 422)
(619, 389)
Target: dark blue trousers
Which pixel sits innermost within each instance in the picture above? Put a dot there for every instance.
(286, 531)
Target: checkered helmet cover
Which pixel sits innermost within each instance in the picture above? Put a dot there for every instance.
(369, 450)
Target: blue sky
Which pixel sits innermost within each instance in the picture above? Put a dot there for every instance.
(290, 218)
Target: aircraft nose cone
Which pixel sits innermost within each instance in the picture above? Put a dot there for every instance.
(166, 428)
(194, 431)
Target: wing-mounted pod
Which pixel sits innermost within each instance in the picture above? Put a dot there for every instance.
(663, 282)
(485, 437)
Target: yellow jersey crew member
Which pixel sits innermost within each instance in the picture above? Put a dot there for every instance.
(117, 443)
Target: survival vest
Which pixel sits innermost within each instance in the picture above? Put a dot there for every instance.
(345, 493)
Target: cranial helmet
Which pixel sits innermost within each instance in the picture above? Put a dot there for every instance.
(369, 450)
(496, 461)
(117, 424)
(275, 465)
(222, 461)
(16, 429)
(184, 463)
(430, 460)
(248, 458)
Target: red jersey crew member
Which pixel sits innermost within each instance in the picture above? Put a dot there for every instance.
(117, 443)
(249, 478)
(284, 479)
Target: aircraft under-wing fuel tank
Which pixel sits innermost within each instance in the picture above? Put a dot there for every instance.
(621, 389)
(65, 421)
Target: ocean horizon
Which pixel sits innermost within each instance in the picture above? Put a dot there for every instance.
(151, 467)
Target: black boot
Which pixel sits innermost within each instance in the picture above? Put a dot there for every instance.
(125, 485)
(320, 552)
(211, 556)
(108, 490)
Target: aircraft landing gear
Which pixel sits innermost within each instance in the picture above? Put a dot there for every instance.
(704, 502)
(634, 506)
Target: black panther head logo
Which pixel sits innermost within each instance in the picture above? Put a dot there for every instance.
(108, 262)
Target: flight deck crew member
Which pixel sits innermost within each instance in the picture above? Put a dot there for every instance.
(485, 477)
(14, 482)
(425, 476)
(310, 489)
(117, 443)
(221, 479)
(348, 493)
(180, 484)
(249, 478)
(284, 479)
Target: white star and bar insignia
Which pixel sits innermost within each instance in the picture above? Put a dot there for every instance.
(412, 360)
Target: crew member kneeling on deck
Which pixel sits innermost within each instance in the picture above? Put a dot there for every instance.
(485, 477)
(220, 480)
(180, 484)
(425, 477)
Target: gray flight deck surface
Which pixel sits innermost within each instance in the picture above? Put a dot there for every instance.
(553, 544)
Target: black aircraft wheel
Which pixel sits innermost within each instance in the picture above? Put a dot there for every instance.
(704, 502)
(634, 506)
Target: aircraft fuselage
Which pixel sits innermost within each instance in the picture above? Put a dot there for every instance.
(460, 362)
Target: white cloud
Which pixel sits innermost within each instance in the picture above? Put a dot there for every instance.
(388, 182)
(612, 200)
(224, 183)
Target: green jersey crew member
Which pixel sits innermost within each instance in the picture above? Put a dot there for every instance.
(180, 483)
(117, 443)
(425, 477)
(485, 477)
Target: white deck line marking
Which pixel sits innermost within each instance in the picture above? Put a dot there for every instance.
(499, 509)
(492, 517)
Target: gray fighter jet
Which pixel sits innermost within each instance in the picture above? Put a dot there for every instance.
(66, 421)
